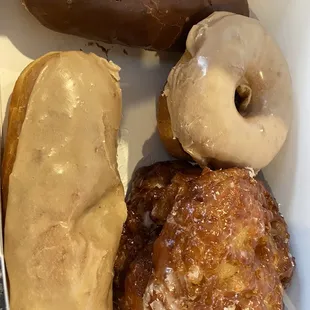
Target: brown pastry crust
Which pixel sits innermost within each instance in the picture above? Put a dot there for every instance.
(224, 244)
(17, 113)
(171, 144)
(157, 25)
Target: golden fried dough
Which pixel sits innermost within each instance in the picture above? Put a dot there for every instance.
(149, 203)
(224, 245)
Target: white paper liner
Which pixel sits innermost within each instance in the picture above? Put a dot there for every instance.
(288, 303)
(9, 77)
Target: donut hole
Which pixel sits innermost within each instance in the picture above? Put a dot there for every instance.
(243, 95)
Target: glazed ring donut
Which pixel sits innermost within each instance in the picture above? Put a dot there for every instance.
(230, 97)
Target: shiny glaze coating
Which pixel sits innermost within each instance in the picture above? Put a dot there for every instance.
(150, 24)
(229, 53)
(65, 208)
(148, 205)
(224, 245)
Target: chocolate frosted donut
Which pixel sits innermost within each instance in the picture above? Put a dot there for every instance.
(230, 97)
(151, 24)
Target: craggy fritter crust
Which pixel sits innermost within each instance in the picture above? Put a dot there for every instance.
(148, 205)
(224, 245)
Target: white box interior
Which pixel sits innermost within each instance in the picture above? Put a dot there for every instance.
(143, 75)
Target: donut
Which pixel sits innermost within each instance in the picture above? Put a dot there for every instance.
(229, 98)
(151, 24)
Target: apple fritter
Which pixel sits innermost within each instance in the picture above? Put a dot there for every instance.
(223, 245)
